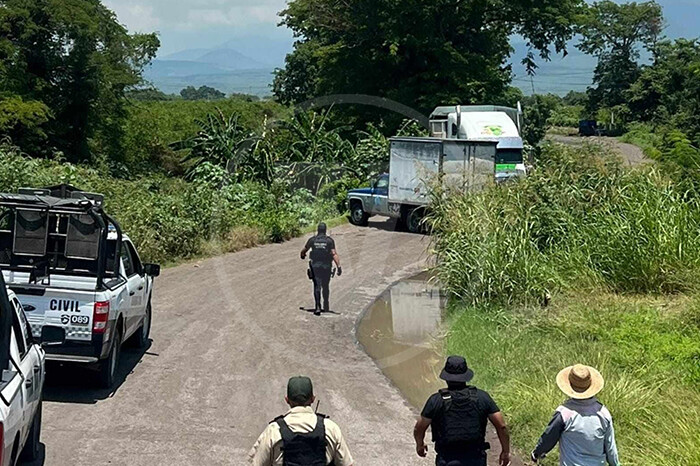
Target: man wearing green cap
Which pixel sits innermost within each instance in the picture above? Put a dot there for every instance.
(301, 437)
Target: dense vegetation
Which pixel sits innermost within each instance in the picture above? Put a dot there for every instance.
(613, 254)
(170, 218)
(583, 261)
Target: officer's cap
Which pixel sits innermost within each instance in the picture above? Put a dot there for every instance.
(300, 389)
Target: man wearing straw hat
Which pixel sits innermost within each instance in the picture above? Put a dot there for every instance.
(582, 426)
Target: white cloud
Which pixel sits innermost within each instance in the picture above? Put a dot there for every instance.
(192, 15)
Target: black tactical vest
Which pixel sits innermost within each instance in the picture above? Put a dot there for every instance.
(321, 247)
(303, 449)
(459, 424)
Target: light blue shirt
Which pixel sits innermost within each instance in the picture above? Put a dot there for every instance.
(584, 430)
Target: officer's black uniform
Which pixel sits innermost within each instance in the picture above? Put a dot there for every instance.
(458, 417)
(321, 255)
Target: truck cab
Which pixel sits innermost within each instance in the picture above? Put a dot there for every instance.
(486, 122)
(368, 202)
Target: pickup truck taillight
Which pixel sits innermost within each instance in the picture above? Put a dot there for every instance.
(100, 316)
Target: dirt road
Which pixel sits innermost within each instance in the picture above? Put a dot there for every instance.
(631, 154)
(227, 333)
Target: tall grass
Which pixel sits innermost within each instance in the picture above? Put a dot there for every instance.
(618, 252)
(580, 219)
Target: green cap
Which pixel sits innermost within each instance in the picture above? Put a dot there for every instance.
(300, 389)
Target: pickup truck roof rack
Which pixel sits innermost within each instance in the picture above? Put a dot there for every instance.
(57, 222)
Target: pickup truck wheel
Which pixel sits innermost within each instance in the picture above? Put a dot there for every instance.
(32, 448)
(358, 216)
(413, 220)
(108, 367)
(140, 338)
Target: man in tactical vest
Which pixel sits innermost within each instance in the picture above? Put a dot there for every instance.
(458, 416)
(301, 437)
(323, 254)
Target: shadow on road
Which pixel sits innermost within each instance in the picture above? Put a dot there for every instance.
(382, 223)
(311, 309)
(74, 383)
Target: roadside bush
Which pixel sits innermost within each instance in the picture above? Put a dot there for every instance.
(579, 219)
(152, 126)
(567, 116)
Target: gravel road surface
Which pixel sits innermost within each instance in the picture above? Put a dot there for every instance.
(227, 333)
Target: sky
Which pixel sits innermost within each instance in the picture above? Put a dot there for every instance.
(250, 26)
(188, 24)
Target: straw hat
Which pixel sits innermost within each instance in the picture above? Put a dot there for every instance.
(580, 382)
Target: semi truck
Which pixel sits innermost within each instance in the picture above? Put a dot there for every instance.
(415, 165)
(486, 122)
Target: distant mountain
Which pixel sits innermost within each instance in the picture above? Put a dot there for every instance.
(182, 68)
(171, 76)
(223, 68)
(225, 58)
(231, 59)
(186, 55)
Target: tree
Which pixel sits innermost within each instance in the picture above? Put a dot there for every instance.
(614, 33)
(537, 111)
(73, 57)
(668, 91)
(203, 93)
(419, 53)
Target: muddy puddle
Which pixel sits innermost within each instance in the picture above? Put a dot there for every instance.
(401, 332)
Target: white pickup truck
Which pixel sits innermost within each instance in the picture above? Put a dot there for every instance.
(72, 267)
(22, 381)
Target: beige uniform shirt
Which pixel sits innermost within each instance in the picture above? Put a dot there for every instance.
(267, 451)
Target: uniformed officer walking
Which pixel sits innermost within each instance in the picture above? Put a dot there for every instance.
(323, 254)
(458, 416)
(301, 437)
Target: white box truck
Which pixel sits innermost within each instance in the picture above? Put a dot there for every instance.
(416, 163)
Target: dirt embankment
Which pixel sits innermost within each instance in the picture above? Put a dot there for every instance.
(631, 154)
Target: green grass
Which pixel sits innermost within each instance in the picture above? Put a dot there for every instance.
(245, 237)
(648, 350)
(172, 220)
